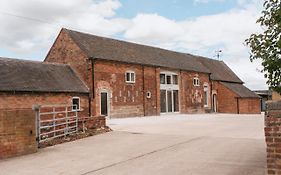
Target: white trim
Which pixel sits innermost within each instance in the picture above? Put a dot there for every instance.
(167, 73)
(130, 76)
(197, 81)
(214, 102)
(78, 104)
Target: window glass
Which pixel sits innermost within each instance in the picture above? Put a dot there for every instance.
(133, 77)
(168, 79)
(176, 100)
(163, 100)
(162, 78)
(75, 103)
(175, 79)
(206, 95)
(127, 76)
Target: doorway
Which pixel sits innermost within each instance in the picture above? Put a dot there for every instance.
(215, 103)
(104, 103)
(169, 101)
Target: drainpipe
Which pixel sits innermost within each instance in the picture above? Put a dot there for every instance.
(156, 91)
(92, 93)
(238, 106)
(144, 94)
(211, 94)
(93, 78)
(180, 90)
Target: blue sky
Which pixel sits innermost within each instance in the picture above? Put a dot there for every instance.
(174, 9)
(201, 27)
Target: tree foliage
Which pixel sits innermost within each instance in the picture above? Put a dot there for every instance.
(267, 45)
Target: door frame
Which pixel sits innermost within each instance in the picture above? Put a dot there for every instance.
(108, 101)
(214, 103)
(172, 101)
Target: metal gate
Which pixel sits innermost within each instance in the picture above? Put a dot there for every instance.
(55, 121)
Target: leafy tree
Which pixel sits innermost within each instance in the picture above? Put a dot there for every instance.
(267, 45)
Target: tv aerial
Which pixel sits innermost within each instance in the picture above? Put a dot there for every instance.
(218, 54)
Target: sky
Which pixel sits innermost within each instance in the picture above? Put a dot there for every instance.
(201, 27)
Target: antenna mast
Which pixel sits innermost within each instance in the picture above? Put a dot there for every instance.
(218, 54)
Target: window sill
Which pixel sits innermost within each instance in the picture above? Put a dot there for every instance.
(79, 110)
(130, 82)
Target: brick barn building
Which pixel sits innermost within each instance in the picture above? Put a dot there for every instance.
(27, 83)
(127, 79)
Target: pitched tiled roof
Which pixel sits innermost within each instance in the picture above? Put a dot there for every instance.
(219, 70)
(21, 75)
(240, 90)
(115, 50)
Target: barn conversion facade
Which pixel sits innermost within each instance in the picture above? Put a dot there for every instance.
(127, 79)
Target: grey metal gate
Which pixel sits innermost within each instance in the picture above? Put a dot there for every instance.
(55, 121)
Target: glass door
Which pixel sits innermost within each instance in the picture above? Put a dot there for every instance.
(163, 101)
(169, 101)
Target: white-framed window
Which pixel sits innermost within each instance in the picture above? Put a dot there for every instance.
(206, 95)
(76, 103)
(196, 81)
(168, 78)
(130, 77)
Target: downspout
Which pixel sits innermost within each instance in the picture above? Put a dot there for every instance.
(143, 91)
(211, 93)
(156, 91)
(92, 93)
(180, 91)
(93, 78)
(238, 106)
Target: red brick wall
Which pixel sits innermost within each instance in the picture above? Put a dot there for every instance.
(226, 99)
(130, 99)
(66, 51)
(229, 102)
(192, 97)
(27, 100)
(126, 98)
(152, 85)
(249, 106)
(17, 133)
(273, 137)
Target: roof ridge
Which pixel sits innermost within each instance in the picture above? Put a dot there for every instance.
(17, 59)
(130, 42)
(32, 61)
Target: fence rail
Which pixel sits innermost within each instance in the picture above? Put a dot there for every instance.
(55, 121)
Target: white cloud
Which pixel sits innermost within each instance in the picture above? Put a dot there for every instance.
(202, 35)
(29, 35)
(153, 28)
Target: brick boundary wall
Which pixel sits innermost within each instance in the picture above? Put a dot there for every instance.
(97, 122)
(273, 137)
(17, 133)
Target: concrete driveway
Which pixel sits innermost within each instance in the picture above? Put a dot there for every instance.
(180, 144)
